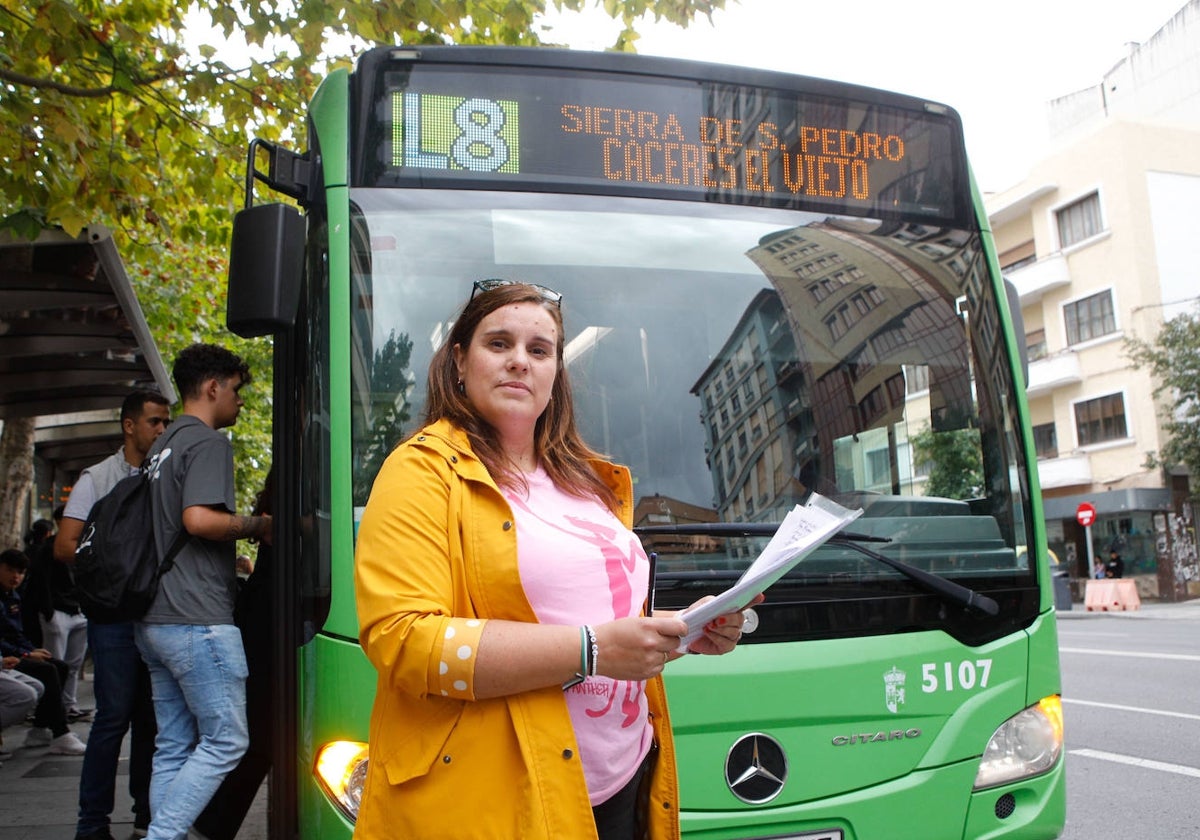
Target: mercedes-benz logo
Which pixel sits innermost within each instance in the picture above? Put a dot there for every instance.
(756, 768)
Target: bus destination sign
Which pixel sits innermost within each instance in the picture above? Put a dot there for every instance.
(667, 138)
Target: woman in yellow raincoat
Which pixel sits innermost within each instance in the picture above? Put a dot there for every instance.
(500, 593)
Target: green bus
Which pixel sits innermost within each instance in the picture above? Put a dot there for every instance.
(774, 285)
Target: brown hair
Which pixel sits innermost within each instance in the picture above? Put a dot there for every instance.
(559, 448)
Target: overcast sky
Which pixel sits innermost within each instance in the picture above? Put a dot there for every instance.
(997, 63)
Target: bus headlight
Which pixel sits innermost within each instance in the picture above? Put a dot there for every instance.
(1026, 744)
(341, 768)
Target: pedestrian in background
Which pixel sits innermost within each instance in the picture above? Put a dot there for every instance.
(1115, 567)
(35, 589)
(121, 680)
(50, 595)
(188, 637)
(254, 615)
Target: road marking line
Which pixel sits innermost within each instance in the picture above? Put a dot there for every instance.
(1089, 634)
(1180, 657)
(1146, 763)
(1118, 707)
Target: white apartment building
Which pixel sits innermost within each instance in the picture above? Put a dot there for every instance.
(1102, 242)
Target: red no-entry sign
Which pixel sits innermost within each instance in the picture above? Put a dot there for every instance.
(1085, 514)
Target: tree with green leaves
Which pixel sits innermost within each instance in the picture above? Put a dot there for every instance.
(955, 461)
(108, 114)
(1173, 359)
(387, 414)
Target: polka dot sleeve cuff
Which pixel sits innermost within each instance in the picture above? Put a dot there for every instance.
(456, 668)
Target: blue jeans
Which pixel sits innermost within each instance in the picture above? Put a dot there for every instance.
(198, 673)
(122, 686)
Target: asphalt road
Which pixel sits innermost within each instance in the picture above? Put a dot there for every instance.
(1131, 686)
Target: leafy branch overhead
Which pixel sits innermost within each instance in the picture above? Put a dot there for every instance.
(111, 114)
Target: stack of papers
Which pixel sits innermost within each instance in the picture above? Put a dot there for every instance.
(805, 528)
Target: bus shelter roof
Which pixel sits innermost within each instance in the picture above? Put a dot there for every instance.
(73, 343)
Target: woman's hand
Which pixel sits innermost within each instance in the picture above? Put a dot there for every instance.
(722, 634)
(637, 648)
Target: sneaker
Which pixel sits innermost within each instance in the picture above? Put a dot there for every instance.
(38, 736)
(68, 744)
(79, 715)
(139, 831)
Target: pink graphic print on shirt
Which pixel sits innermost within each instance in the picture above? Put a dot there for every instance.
(620, 564)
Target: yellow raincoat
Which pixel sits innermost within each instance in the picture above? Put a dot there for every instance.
(436, 558)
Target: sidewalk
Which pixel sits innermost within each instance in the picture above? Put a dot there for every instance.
(39, 792)
(1148, 610)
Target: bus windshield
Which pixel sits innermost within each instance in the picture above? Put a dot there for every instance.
(737, 359)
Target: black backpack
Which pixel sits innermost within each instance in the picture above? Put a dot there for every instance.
(116, 563)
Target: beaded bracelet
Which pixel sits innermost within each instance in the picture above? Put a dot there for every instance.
(594, 662)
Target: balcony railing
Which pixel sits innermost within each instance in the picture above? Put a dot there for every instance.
(1064, 472)
(1037, 278)
(1052, 372)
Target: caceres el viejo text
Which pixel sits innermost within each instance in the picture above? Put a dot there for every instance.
(648, 147)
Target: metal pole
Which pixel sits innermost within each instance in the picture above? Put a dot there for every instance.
(1087, 535)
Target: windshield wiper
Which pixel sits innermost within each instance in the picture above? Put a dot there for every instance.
(948, 589)
(740, 529)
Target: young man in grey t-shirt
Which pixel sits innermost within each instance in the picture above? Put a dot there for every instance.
(188, 638)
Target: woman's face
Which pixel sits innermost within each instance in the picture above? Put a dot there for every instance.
(508, 369)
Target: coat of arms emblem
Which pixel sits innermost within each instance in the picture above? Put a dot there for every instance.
(893, 689)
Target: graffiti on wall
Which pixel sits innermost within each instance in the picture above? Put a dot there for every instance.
(1183, 546)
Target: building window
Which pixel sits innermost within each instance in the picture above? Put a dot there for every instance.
(1091, 317)
(895, 389)
(1079, 220)
(1045, 441)
(1035, 344)
(1101, 419)
(1017, 257)
(878, 467)
(918, 378)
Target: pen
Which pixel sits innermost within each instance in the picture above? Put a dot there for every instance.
(650, 591)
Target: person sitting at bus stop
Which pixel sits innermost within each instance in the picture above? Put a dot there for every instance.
(19, 695)
(50, 727)
(499, 594)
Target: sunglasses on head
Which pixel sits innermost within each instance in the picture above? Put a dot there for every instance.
(546, 294)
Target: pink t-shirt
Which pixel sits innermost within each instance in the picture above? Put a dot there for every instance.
(580, 565)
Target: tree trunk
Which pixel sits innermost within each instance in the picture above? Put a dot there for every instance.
(16, 464)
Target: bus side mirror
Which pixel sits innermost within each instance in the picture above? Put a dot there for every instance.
(266, 263)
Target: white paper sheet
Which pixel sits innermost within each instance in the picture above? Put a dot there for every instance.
(804, 528)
